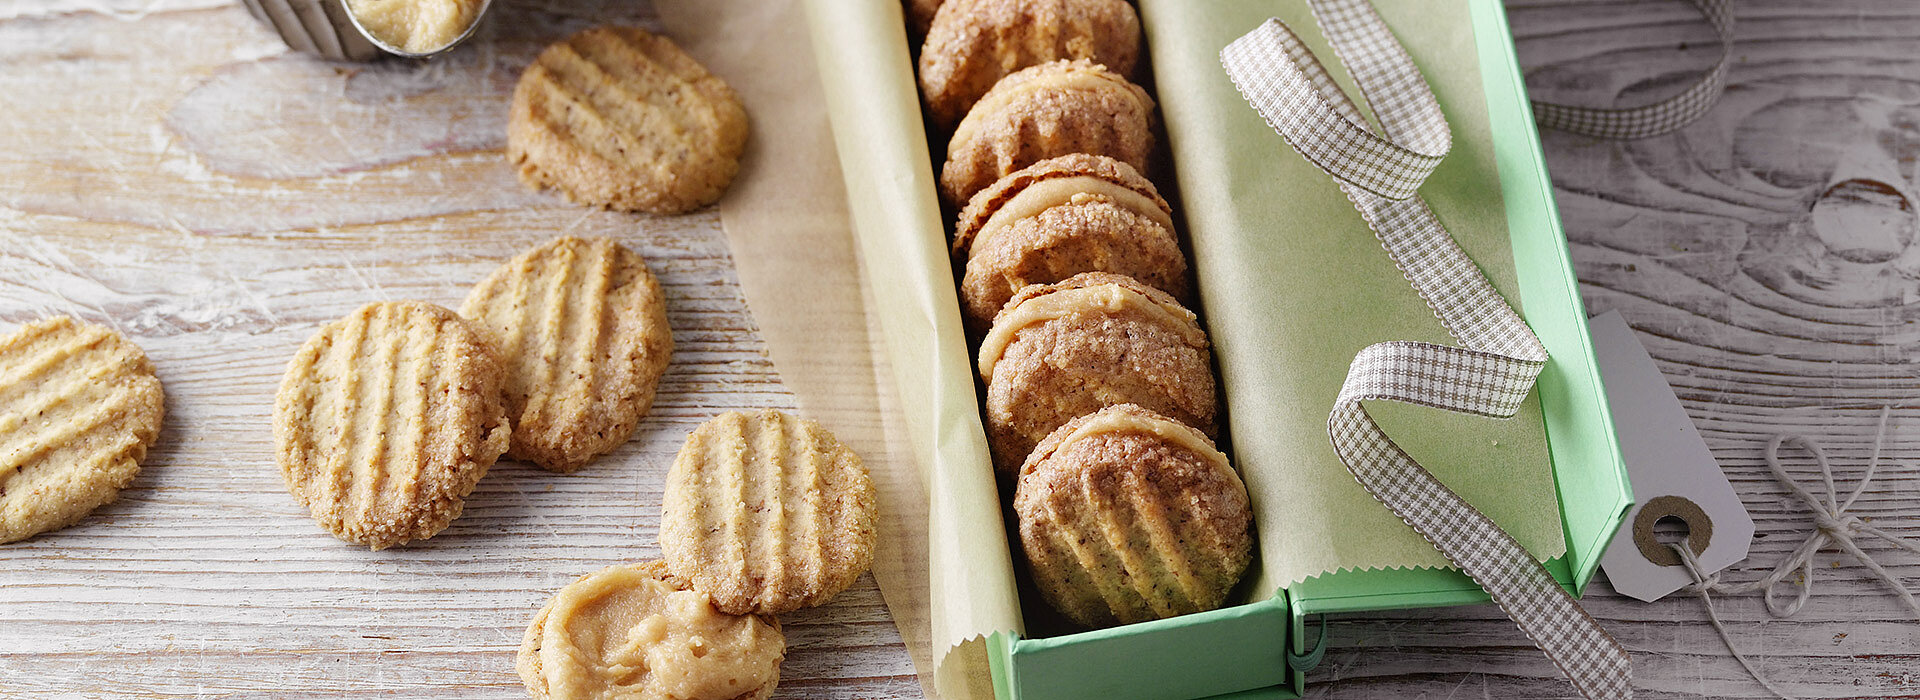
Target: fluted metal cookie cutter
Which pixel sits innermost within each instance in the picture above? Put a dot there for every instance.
(329, 29)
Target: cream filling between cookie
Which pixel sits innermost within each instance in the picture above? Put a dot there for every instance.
(1099, 298)
(415, 26)
(1072, 79)
(1112, 421)
(1052, 192)
(622, 633)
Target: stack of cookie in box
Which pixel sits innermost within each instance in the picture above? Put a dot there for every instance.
(1100, 400)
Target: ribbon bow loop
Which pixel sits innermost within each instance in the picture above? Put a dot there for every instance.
(1832, 523)
(1317, 119)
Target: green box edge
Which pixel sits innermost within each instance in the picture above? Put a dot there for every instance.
(1149, 669)
(1586, 455)
(1583, 447)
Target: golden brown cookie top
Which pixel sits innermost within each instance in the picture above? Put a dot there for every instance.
(621, 118)
(632, 630)
(1126, 515)
(387, 418)
(1085, 293)
(972, 44)
(79, 406)
(582, 328)
(1020, 194)
(1007, 98)
(1084, 233)
(1127, 419)
(768, 513)
(1045, 111)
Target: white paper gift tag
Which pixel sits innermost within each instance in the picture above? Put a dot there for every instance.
(1672, 471)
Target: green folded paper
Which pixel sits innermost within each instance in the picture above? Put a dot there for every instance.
(1293, 283)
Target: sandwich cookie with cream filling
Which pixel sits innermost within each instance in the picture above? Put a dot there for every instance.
(1058, 218)
(1044, 111)
(1061, 351)
(1126, 516)
(972, 44)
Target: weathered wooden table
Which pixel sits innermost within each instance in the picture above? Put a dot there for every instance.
(166, 168)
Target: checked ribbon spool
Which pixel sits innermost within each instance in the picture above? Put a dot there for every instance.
(1498, 358)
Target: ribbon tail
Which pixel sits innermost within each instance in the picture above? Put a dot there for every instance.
(1468, 381)
(1590, 659)
(1491, 375)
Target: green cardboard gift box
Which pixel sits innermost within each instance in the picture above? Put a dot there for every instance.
(1255, 649)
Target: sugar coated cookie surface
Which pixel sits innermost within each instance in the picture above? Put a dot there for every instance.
(581, 327)
(972, 44)
(79, 406)
(1087, 232)
(1126, 516)
(1061, 351)
(1006, 198)
(633, 632)
(620, 118)
(386, 419)
(1058, 218)
(1045, 111)
(767, 513)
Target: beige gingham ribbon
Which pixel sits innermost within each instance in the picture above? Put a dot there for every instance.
(1657, 118)
(1498, 359)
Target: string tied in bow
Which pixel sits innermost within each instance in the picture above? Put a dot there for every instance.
(1832, 525)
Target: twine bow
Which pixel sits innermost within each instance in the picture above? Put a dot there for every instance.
(1832, 524)
(1492, 370)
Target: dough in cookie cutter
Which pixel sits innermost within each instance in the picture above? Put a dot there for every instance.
(331, 29)
(416, 28)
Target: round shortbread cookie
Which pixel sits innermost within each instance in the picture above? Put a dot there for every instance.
(387, 418)
(1126, 516)
(621, 118)
(767, 513)
(634, 631)
(972, 44)
(1058, 218)
(79, 406)
(581, 327)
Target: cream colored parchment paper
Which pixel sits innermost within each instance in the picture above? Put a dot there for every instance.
(900, 390)
(788, 225)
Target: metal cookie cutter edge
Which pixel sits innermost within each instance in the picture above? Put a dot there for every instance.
(328, 29)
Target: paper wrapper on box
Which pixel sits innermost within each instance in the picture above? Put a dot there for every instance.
(867, 75)
(787, 222)
(1292, 284)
